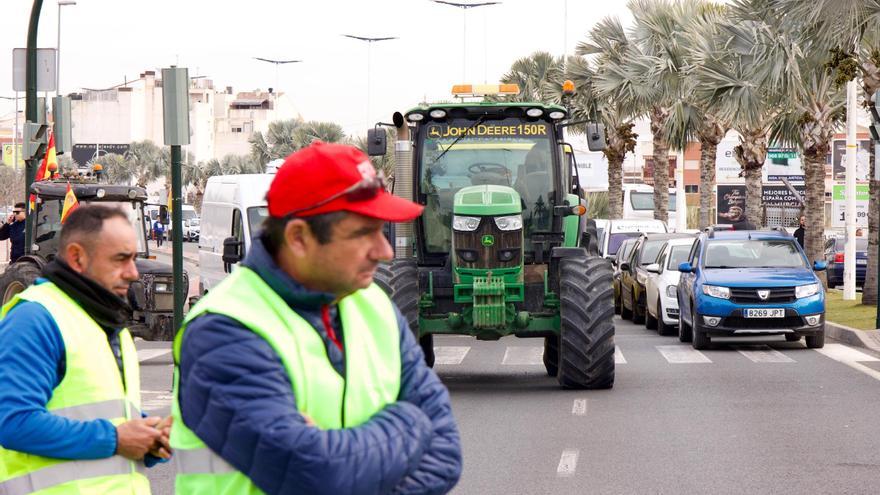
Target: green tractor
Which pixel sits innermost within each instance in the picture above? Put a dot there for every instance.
(503, 246)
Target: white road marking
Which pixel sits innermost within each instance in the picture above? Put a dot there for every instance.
(845, 354)
(450, 354)
(618, 356)
(682, 354)
(580, 407)
(568, 463)
(764, 354)
(522, 356)
(154, 400)
(145, 354)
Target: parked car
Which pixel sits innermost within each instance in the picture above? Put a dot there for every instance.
(191, 229)
(662, 287)
(638, 203)
(633, 274)
(834, 257)
(618, 231)
(750, 283)
(622, 254)
(601, 230)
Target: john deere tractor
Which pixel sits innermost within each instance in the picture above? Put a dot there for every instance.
(503, 246)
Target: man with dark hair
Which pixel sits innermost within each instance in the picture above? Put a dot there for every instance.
(70, 416)
(13, 230)
(799, 233)
(297, 374)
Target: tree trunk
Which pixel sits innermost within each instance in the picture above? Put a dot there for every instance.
(754, 195)
(751, 154)
(869, 291)
(708, 152)
(661, 164)
(814, 184)
(615, 188)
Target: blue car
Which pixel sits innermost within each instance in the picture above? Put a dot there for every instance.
(745, 283)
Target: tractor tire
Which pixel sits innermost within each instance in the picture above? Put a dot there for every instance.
(551, 355)
(592, 238)
(400, 280)
(586, 336)
(17, 277)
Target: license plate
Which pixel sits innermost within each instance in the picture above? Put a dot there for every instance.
(765, 313)
(861, 262)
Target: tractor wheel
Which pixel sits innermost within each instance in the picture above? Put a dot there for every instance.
(551, 355)
(17, 277)
(586, 337)
(400, 280)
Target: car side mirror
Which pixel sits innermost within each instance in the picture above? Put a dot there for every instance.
(231, 253)
(819, 266)
(376, 141)
(624, 266)
(685, 267)
(653, 268)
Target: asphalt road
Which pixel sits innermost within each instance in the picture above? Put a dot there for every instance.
(759, 416)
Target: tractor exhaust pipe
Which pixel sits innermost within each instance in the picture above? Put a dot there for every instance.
(403, 185)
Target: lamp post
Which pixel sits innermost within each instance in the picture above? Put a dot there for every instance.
(61, 3)
(277, 63)
(464, 8)
(370, 42)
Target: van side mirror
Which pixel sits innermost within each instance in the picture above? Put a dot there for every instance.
(685, 267)
(376, 141)
(163, 215)
(819, 266)
(595, 136)
(231, 253)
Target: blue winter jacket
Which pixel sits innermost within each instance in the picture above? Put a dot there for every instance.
(236, 396)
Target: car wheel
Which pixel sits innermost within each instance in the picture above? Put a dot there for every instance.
(816, 341)
(700, 340)
(650, 321)
(617, 304)
(637, 316)
(792, 337)
(662, 327)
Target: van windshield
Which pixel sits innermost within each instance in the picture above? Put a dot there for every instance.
(615, 240)
(644, 201)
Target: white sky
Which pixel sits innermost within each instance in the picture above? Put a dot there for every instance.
(105, 41)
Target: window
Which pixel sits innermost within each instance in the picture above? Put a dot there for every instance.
(644, 201)
(238, 229)
(767, 253)
(691, 188)
(615, 240)
(650, 250)
(677, 256)
(692, 258)
(236, 129)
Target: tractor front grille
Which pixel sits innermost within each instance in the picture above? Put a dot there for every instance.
(472, 249)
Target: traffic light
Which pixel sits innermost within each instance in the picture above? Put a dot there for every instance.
(36, 138)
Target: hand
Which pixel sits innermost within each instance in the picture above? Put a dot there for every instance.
(309, 421)
(163, 448)
(136, 437)
(11, 218)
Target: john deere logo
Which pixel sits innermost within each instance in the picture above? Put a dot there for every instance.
(434, 132)
(488, 240)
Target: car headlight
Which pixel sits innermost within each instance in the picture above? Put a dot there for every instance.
(672, 291)
(160, 287)
(716, 291)
(806, 290)
(512, 222)
(465, 224)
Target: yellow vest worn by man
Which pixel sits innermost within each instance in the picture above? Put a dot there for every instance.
(372, 368)
(92, 388)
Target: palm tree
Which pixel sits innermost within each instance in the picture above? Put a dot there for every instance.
(308, 132)
(145, 162)
(117, 168)
(538, 76)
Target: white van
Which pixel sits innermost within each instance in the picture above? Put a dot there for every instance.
(234, 206)
(618, 231)
(638, 203)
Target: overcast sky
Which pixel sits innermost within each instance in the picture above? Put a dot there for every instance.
(105, 41)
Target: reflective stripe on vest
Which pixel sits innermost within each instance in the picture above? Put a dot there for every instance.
(92, 388)
(372, 368)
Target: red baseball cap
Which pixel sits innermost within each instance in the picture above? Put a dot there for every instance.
(328, 177)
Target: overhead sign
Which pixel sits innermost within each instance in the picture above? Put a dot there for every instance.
(9, 155)
(82, 153)
(838, 205)
(45, 69)
(782, 154)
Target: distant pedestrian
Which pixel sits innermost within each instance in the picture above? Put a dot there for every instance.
(70, 418)
(158, 232)
(13, 230)
(799, 233)
(859, 232)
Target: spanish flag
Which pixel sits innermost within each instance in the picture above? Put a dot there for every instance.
(43, 173)
(70, 203)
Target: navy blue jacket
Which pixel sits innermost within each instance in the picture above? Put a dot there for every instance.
(15, 233)
(236, 396)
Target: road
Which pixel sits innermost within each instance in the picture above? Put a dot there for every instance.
(766, 416)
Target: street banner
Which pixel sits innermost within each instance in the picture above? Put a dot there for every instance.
(863, 158)
(838, 205)
(730, 204)
(9, 155)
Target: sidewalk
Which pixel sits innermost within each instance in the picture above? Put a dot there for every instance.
(866, 339)
(166, 250)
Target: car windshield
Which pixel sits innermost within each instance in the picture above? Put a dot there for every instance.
(644, 201)
(615, 240)
(753, 254)
(650, 250)
(861, 244)
(256, 215)
(677, 256)
(465, 152)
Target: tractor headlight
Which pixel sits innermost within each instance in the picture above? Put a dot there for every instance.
(512, 222)
(672, 290)
(716, 291)
(465, 224)
(160, 287)
(802, 291)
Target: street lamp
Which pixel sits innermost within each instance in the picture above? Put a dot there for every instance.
(61, 3)
(370, 42)
(277, 63)
(464, 8)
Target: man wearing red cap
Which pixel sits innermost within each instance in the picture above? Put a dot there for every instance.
(297, 374)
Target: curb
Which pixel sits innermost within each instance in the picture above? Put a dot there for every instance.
(866, 339)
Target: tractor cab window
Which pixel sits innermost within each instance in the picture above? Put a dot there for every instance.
(507, 152)
(48, 224)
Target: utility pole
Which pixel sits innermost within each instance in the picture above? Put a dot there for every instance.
(849, 255)
(61, 3)
(30, 109)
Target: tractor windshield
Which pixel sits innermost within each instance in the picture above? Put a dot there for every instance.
(48, 223)
(507, 152)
